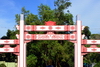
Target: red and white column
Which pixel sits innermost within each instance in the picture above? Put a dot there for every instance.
(25, 54)
(79, 38)
(18, 63)
(75, 55)
(81, 61)
(21, 61)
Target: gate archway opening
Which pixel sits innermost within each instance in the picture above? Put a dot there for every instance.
(8, 59)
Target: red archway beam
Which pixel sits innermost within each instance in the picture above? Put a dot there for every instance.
(9, 41)
(84, 54)
(7, 49)
(49, 36)
(93, 48)
(90, 41)
(49, 27)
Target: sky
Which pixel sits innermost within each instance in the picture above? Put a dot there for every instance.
(88, 10)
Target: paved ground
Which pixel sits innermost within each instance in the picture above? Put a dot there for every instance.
(9, 64)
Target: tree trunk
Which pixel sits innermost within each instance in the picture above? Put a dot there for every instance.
(56, 63)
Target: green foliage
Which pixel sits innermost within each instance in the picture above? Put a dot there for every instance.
(42, 53)
(31, 60)
(45, 13)
(2, 65)
(17, 18)
(98, 45)
(1, 45)
(4, 37)
(11, 34)
(62, 17)
(32, 19)
(24, 11)
(87, 32)
(62, 4)
(92, 57)
(87, 45)
(95, 36)
(97, 65)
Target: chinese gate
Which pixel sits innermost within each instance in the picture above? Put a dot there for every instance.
(50, 27)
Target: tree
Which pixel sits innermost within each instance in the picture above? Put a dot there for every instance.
(2, 65)
(31, 60)
(4, 37)
(48, 52)
(92, 57)
(11, 34)
(87, 32)
(45, 13)
(97, 65)
(95, 36)
(63, 18)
